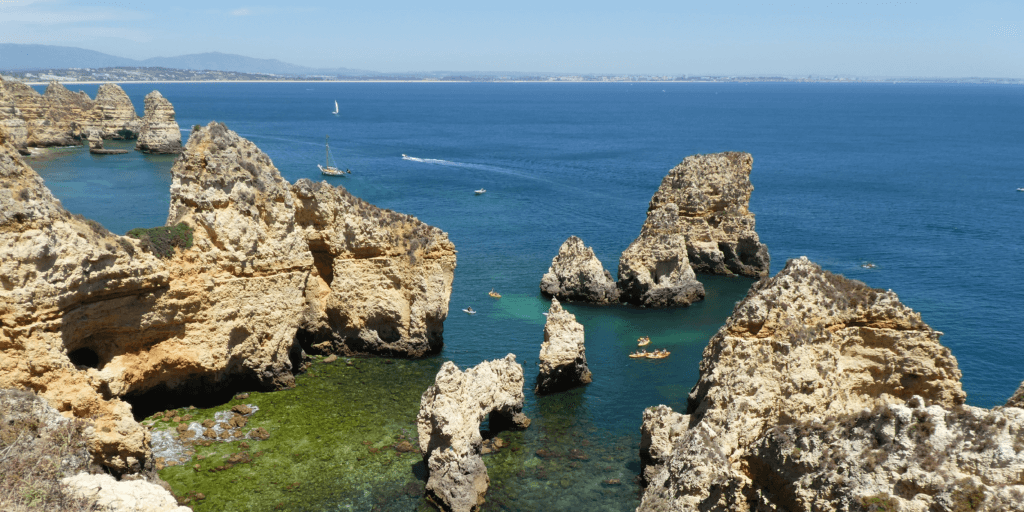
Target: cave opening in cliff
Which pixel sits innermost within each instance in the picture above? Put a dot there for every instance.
(201, 392)
(84, 356)
(323, 260)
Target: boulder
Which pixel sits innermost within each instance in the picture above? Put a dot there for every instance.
(111, 495)
(654, 270)
(712, 193)
(159, 132)
(448, 425)
(804, 348)
(576, 275)
(563, 360)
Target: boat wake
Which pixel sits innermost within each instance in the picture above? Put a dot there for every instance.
(449, 163)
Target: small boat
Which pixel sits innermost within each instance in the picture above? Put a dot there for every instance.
(481, 191)
(658, 354)
(469, 310)
(641, 354)
(643, 342)
(1021, 189)
(494, 294)
(335, 107)
(329, 169)
(868, 264)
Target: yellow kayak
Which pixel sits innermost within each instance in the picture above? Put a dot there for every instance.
(494, 294)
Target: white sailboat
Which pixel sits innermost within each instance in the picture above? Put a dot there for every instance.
(335, 107)
(327, 168)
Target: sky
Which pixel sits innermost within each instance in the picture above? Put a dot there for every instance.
(727, 37)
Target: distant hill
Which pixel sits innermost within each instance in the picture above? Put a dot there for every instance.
(30, 57)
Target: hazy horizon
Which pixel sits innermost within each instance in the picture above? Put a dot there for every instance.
(862, 39)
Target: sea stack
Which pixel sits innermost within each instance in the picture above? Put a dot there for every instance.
(563, 359)
(160, 132)
(576, 275)
(712, 193)
(654, 270)
(822, 393)
(113, 115)
(448, 425)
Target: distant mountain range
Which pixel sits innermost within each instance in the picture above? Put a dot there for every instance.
(31, 57)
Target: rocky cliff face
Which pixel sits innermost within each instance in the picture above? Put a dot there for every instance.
(563, 359)
(113, 115)
(90, 320)
(60, 117)
(577, 275)
(654, 270)
(1017, 400)
(448, 425)
(160, 132)
(384, 277)
(804, 348)
(712, 193)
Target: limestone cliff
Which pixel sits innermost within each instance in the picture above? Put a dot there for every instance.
(448, 426)
(805, 347)
(577, 275)
(712, 193)
(563, 359)
(91, 322)
(113, 115)
(654, 270)
(389, 275)
(60, 117)
(160, 132)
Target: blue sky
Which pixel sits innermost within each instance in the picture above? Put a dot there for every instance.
(950, 39)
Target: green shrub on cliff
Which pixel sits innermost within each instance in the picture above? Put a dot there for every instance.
(162, 240)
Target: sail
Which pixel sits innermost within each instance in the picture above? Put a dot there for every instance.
(335, 106)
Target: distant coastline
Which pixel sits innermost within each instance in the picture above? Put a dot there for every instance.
(125, 75)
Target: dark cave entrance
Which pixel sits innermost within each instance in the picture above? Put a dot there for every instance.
(84, 356)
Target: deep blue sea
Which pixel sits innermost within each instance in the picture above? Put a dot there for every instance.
(919, 179)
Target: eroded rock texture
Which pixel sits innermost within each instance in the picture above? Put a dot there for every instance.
(712, 193)
(1017, 400)
(60, 117)
(654, 270)
(563, 359)
(448, 425)
(576, 275)
(384, 277)
(160, 132)
(805, 347)
(91, 321)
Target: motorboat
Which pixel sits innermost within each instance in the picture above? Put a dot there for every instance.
(481, 191)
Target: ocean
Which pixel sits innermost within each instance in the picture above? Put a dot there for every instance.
(918, 179)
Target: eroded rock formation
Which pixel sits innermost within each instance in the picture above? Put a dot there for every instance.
(448, 425)
(576, 275)
(110, 495)
(654, 270)
(1017, 400)
(60, 117)
(90, 320)
(563, 359)
(160, 132)
(712, 193)
(804, 350)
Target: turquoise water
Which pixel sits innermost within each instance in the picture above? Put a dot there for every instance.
(918, 179)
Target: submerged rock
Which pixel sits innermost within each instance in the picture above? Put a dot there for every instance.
(94, 321)
(712, 193)
(654, 270)
(160, 132)
(563, 360)
(448, 425)
(576, 275)
(805, 349)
